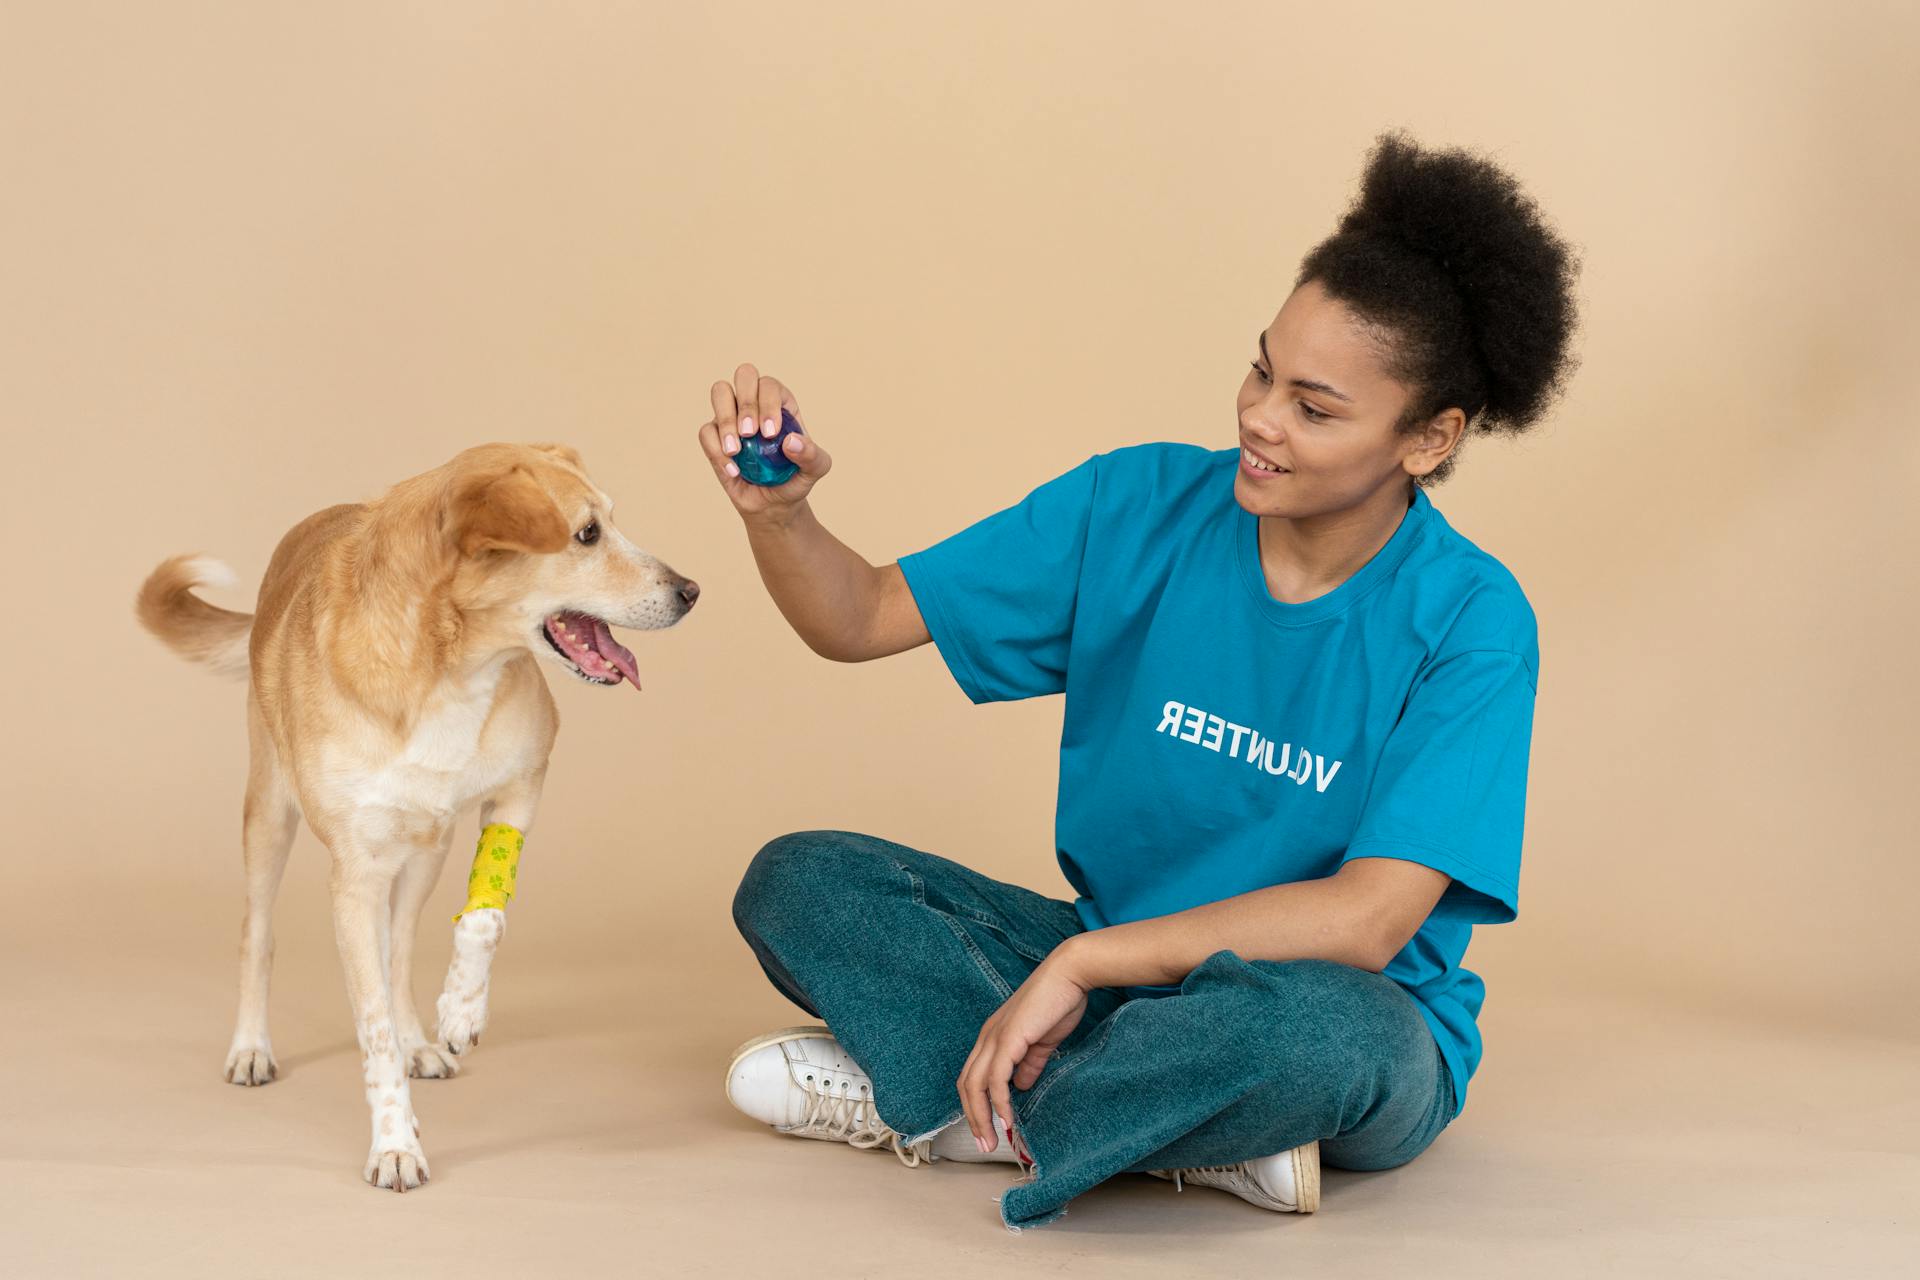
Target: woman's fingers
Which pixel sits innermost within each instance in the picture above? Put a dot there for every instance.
(1002, 1099)
(726, 470)
(983, 1088)
(725, 416)
(746, 393)
(771, 393)
(962, 1086)
(716, 454)
(805, 453)
(976, 1086)
(1031, 1066)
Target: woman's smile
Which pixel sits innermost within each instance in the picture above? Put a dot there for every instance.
(1255, 465)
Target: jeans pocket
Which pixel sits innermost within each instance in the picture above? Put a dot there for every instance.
(1012, 940)
(935, 901)
(981, 961)
(960, 920)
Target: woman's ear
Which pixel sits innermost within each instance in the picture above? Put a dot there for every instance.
(506, 512)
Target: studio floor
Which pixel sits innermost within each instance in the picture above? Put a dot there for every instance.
(589, 1136)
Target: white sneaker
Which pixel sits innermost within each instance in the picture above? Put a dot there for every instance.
(800, 1081)
(1286, 1183)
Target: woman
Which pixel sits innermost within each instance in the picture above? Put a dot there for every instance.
(1292, 769)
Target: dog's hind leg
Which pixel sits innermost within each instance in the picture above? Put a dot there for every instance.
(462, 1006)
(267, 826)
(363, 878)
(410, 891)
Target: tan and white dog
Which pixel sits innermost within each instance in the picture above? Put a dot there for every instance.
(393, 680)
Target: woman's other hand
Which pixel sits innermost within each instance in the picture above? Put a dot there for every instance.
(1015, 1043)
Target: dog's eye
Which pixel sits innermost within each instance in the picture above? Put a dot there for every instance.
(589, 534)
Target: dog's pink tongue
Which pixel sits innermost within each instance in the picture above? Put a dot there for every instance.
(615, 652)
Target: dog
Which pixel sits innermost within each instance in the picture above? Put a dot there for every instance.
(393, 678)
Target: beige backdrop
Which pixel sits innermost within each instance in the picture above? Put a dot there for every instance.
(257, 259)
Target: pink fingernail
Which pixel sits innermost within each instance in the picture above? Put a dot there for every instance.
(732, 470)
(731, 445)
(746, 426)
(982, 1143)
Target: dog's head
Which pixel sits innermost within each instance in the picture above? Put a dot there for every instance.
(539, 562)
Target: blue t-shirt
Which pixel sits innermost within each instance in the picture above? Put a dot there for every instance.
(1217, 740)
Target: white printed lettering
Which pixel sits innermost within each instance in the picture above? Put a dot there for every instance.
(1216, 733)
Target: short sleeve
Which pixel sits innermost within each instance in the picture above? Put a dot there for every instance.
(1450, 791)
(998, 597)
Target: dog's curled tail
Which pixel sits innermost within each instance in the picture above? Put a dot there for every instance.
(188, 625)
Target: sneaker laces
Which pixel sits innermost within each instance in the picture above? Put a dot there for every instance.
(1201, 1173)
(836, 1113)
(1239, 1179)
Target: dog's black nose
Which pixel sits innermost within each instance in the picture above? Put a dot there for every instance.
(689, 591)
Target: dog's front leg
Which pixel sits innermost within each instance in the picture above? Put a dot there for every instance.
(362, 882)
(462, 1007)
(415, 881)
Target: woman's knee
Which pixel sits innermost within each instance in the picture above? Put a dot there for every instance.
(1318, 1016)
(802, 872)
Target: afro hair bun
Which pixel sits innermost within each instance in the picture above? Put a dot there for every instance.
(1443, 251)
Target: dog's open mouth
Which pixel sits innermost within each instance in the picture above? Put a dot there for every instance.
(589, 648)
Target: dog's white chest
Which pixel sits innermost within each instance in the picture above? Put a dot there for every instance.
(447, 742)
(443, 763)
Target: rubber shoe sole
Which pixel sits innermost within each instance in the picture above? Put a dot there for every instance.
(1306, 1176)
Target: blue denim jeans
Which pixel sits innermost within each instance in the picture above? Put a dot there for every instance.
(904, 955)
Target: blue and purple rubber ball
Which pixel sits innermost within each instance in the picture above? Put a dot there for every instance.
(762, 460)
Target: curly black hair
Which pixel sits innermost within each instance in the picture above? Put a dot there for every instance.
(1468, 290)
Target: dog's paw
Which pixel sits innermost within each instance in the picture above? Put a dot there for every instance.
(462, 1007)
(462, 1019)
(431, 1062)
(251, 1065)
(397, 1168)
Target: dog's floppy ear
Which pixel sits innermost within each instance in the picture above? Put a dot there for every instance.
(506, 512)
(565, 452)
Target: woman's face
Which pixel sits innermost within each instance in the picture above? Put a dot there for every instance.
(1318, 403)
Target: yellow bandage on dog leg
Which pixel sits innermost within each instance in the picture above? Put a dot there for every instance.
(496, 862)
